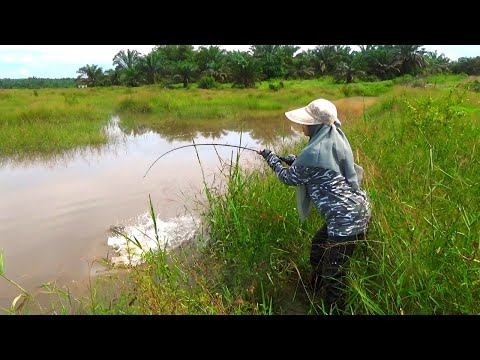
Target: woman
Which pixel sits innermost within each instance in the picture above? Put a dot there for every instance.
(325, 175)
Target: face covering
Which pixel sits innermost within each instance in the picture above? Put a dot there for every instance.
(328, 148)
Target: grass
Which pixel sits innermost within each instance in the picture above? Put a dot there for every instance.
(425, 199)
(418, 148)
(50, 123)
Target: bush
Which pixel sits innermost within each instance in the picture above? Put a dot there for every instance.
(71, 99)
(276, 87)
(403, 80)
(419, 83)
(134, 106)
(347, 90)
(207, 82)
(473, 85)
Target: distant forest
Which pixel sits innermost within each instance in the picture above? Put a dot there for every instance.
(37, 83)
(210, 66)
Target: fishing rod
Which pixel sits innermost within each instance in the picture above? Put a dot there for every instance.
(210, 144)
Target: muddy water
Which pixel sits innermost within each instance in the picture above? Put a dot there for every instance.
(56, 214)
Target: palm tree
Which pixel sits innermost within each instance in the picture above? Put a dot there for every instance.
(245, 69)
(301, 68)
(274, 59)
(267, 57)
(208, 55)
(127, 65)
(412, 58)
(380, 61)
(467, 65)
(151, 65)
(112, 77)
(90, 74)
(347, 72)
(326, 57)
(436, 64)
(186, 72)
(175, 53)
(126, 60)
(287, 55)
(218, 70)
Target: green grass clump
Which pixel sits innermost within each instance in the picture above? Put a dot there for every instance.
(134, 106)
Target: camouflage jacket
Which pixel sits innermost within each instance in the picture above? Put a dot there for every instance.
(346, 211)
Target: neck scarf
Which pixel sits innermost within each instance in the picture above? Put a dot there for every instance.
(328, 148)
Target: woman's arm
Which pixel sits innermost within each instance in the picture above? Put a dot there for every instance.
(293, 175)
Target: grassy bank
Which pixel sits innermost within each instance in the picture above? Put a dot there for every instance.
(47, 121)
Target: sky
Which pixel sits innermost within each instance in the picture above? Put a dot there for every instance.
(60, 61)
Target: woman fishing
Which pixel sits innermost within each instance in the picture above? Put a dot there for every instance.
(325, 175)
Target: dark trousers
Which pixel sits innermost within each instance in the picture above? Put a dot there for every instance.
(328, 255)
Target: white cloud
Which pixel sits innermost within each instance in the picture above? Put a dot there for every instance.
(71, 54)
(16, 58)
(56, 61)
(453, 52)
(23, 72)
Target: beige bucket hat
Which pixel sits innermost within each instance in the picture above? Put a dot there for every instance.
(319, 111)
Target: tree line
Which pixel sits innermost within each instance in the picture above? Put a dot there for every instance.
(209, 66)
(37, 83)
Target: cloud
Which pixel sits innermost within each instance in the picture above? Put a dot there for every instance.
(16, 57)
(72, 54)
(58, 61)
(453, 52)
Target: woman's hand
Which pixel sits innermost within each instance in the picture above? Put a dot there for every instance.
(289, 159)
(265, 153)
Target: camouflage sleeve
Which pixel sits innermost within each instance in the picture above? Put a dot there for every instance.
(293, 175)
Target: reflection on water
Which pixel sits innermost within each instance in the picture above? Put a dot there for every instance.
(265, 129)
(56, 212)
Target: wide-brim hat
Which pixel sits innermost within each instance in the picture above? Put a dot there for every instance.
(319, 111)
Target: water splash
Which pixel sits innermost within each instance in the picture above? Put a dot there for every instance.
(141, 237)
(113, 130)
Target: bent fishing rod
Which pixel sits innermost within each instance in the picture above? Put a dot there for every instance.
(210, 144)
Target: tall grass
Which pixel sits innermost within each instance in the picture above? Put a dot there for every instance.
(20, 300)
(419, 152)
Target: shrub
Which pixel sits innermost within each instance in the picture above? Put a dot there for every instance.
(134, 106)
(71, 99)
(207, 82)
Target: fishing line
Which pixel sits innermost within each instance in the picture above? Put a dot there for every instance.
(210, 144)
